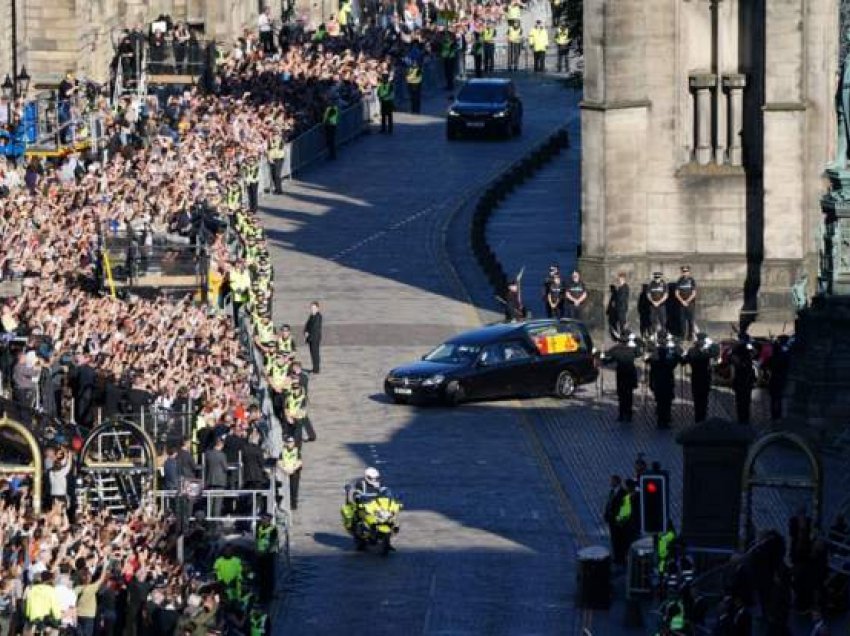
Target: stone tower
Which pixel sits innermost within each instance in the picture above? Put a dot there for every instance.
(706, 127)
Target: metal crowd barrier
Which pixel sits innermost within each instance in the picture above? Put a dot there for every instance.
(311, 145)
(167, 499)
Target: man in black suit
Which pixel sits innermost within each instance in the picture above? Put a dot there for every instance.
(313, 335)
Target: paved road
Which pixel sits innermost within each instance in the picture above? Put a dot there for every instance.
(484, 547)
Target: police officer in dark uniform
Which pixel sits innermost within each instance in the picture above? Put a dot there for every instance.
(554, 298)
(618, 307)
(699, 357)
(780, 360)
(623, 355)
(662, 380)
(575, 297)
(686, 295)
(514, 309)
(657, 295)
(743, 378)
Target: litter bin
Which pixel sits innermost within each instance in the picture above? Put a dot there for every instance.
(640, 567)
(594, 577)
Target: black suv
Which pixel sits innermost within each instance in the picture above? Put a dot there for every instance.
(485, 105)
(539, 357)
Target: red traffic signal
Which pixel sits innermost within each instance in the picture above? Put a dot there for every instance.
(653, 503)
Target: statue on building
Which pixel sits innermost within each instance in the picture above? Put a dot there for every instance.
(842, 109)
(799, 295)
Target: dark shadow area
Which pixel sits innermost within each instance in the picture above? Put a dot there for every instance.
(751, 43)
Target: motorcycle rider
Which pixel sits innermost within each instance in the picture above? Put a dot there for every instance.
(366, 488)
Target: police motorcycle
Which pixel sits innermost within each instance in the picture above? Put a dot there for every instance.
(371, 513)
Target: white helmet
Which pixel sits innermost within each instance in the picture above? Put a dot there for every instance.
(372, 476)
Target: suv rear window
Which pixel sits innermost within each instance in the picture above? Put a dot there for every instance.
(556, 339)
(483, 93)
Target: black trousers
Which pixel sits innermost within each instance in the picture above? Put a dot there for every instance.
(267, 40)
(625, 403)
(265, 574)
(276, 169)
(415, 92)
(563, 59)
(253, 195)
(479, 65)
(539, 61)
(700, 393)
(657, 317)
(558, 311)
(514, 49)
(743, 400)
(294, 483)
(489, 57)
(315, 357)
(664, 409)
(572, 311)
(449, 65)
(330, 140)
(387, 107)
(686, 317)
(299, 428)
(179, 58)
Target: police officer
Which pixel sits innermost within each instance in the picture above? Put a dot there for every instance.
(515, 36)
(387, 102)
(656, 294)
(662, 381)
(575, 297)
(554, 297)
(562, 41)
(413, 77)
(291, 465)
(778, 364)
(616, 492)
(275, 154)
(699, 357)
(514, 309)
(448, 53)
(538, 39)
(296, 413)
(286, 343)
(266, 544)
(251, 174)
(686, 295)
(627, 522)
(330, 120)
(478, 55)
(743, 378)
(489, 38)
(623, 355)
(618, 307)
(240, 284)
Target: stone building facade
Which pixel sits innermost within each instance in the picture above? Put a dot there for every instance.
(706, 127)
(54, 36)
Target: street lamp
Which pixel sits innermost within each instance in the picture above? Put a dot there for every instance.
(8, 87)
(22, 82)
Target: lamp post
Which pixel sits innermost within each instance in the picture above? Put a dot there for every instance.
(18, 84)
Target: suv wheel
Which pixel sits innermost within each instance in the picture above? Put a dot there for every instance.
(566, 385)
(451, 135)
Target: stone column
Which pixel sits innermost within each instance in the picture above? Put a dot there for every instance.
(734, 85)
(702, 84)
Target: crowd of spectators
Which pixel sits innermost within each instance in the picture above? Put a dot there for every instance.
(169, 165)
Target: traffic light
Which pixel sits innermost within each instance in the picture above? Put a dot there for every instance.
(653, 503)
